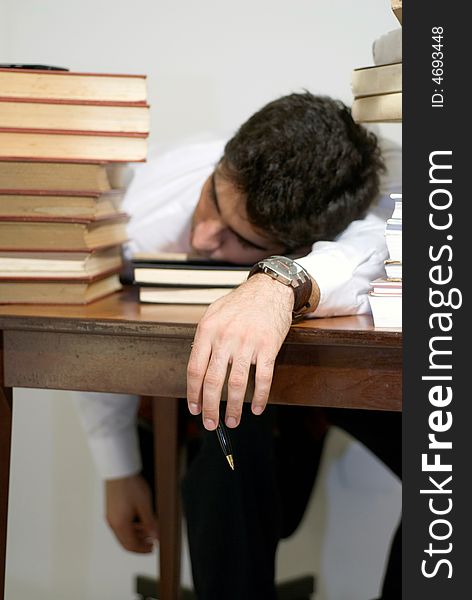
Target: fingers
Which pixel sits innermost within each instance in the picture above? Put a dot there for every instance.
(147, 521)
(132, 536)
(247, 326)
(196, 369)
(130, 514)
(210, 384)
(206, 375)
(213, 386)
(237, 384)
(207, 370)
(263, 381)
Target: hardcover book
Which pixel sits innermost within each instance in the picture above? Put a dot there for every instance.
(393, 269)
(386, 309)
(18, 113)
(61, 176)
(57, 292)
(60, 265)
(84, 146)
(45, 205)
(382, 79)
(380, 108)
(180, 295)
(61, 235)
(47, 84)
(181, 270)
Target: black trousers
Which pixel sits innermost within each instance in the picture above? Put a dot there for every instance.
(236, 519)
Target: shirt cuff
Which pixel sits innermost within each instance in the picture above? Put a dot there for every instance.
(329, 270)
(117, 455)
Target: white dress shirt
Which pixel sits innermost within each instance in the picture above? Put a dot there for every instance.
(161, 200)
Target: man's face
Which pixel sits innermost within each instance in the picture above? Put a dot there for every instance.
(220, 228)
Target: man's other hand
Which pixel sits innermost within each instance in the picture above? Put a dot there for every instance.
(129, 513)
(248, 326)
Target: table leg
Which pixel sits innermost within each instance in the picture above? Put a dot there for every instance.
(167, 477)
(6, 397)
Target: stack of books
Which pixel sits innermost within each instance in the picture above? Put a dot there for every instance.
(175, 278)
(65, 140)
(385, 296)
(377, 89)
(377, 94)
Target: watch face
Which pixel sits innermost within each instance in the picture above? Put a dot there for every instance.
(285, 266)
(283, 269)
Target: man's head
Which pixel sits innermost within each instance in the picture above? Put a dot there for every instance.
(298, 171)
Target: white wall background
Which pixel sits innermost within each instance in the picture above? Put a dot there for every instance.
(210, 65)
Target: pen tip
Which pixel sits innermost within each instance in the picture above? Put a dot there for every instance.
(230, 460)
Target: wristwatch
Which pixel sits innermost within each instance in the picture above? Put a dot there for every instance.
(290, 273)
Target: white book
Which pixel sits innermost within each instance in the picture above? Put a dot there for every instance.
(386, 310)
(382, 285)
(189, 277)
(167, 295)
(394, 245)
(394, 225)
(397, 211)
(393, 269)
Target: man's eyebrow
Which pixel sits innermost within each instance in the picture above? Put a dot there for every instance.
(214, 197)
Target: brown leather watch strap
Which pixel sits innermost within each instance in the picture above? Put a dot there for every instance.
(302, 296)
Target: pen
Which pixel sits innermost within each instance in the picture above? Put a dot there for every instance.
(225, 443)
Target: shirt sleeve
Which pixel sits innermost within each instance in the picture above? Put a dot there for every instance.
(109, 421)
(344, 268)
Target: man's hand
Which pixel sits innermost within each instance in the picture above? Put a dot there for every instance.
(248, 326)
(130, 514)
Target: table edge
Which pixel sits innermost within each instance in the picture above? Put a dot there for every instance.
(186, 331)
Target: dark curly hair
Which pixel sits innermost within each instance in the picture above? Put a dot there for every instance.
(305, 168)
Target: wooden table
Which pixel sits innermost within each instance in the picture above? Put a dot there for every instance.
(118, 345)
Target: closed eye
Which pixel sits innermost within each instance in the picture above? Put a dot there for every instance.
(243, 241)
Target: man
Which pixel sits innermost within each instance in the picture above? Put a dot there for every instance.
(297, 179)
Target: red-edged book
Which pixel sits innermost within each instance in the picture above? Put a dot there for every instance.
(52, 205)
(40, 291)
(51, 84)
(59, 235)
(73, 115)
(52, 266)
(74, 146)
(62, 176)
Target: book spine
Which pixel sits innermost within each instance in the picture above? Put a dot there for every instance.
(60, 249)
(72, 132)
(61, 193)
(118, 218)
(76, 278)
(71, 73)
(117, 103)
